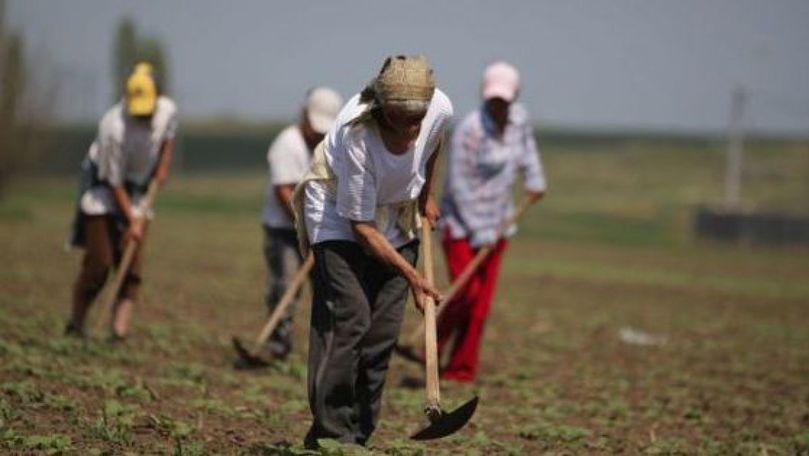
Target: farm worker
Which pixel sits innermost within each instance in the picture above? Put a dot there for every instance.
(358, 209)
(134, 144)
(288, 158)
(490, 147)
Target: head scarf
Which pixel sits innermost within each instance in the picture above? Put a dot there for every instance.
(406, 81)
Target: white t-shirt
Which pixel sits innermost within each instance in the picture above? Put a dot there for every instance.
(127, 150)
(369, 177)
(288, 159)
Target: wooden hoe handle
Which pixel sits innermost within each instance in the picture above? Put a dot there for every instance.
(289, 296)
(470, 269)
(430, 337)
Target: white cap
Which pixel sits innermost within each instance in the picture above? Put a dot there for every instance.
(501, 80)
(322, 105)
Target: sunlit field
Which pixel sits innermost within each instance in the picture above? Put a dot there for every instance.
(614, 330)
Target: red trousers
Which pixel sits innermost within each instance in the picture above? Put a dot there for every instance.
(465, 316)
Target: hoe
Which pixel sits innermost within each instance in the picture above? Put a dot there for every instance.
(253, 358)
(442, 423)
(409, 349)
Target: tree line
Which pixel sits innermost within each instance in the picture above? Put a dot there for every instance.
(28, 98)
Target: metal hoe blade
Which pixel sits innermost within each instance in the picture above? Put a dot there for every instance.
(248, 359)
(443, 424)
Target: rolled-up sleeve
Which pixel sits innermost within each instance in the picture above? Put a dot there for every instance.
(356, 186)
(172, 125)
(283, 162)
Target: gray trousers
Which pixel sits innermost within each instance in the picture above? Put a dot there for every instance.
(283, 260)
(357, 312)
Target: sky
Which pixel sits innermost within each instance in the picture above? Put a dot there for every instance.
(618, 64)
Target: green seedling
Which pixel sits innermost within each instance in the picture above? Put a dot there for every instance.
(115, 423)
(53, 444)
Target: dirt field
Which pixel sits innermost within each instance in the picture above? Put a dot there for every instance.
(612, 331)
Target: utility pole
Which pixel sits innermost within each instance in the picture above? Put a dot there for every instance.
(735, 152)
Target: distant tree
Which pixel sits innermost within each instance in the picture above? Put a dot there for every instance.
(125, 54)
(129, 49)
(12, 77)
(28, 98)
(2, 18)
(151, 50)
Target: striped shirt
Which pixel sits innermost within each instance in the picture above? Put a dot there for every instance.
(482, 167)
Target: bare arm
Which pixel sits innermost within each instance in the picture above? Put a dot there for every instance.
(427, 204)
(374, 242)
(164, 163)
(135, 230)
(122, 197)
(284, 195)
(534, 196)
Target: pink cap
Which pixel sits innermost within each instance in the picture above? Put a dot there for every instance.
(501, 80)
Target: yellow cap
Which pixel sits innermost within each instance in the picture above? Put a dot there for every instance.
(141, 91)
